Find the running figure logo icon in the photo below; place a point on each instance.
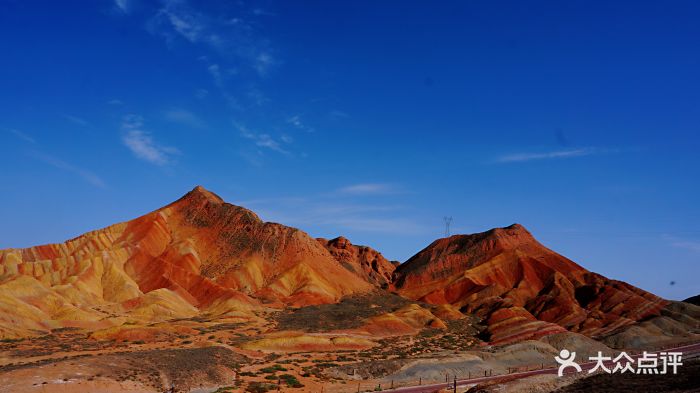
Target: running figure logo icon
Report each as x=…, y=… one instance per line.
x=566, y=360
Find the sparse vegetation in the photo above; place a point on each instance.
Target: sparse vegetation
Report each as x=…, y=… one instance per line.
x=272, y=369
x=291, y=381
x=349, y=313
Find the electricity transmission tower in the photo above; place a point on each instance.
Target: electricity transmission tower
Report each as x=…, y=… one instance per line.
x=448, y=222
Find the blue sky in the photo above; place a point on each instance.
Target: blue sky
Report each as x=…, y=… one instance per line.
x=374, y=120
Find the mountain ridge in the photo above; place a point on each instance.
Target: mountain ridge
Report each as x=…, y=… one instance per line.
x=200, y=256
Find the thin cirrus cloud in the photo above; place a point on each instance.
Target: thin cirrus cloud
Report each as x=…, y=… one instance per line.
x=201, y=94
x=385, y=225
x=304, y=217
x=557, y=154
x=368, y=189
x=335, y=215
x=338, y=114
x=184, y=117
x=262, y=139
x=262, y=63
x=235, y=38
x=21, y=135
x=122, y=5
x=85, y=174
x=295, y=121
x=237, y=51
x=76, y=120
x=142, y=144
x=684, y=244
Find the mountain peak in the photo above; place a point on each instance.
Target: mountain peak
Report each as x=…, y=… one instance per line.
x=509, y=237
x=198, y=196
x=516, y=227
x=201, y=192
x=513, y=234
x=473, y=249
x=340, y=242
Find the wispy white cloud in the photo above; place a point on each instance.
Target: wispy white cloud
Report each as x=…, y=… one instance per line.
x=85, y=174
x=385, y=225
x=235, y=38
x=77, y=120
x=557, y=154
x=368, y=189
x=115, y=102
x=262, y=11
x=691, y=245
x=218, y=77
x=176, y=18
x=237, y=49
x=263, y=62
x=186, y=22
x=252, y=157
x=142, y=144
x=261, y=139
x=334, y=214
x=201, y=93
x=122, y=5
x=296, y=122
x=215, y=72
x=184, y=117
x=256, y=96
x=337, y=114
x=21, y=135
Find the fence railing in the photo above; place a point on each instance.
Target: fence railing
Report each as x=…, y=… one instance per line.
x=460, y=376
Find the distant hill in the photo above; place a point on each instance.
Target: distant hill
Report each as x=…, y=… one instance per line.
x=693, y=300
x=521, y=288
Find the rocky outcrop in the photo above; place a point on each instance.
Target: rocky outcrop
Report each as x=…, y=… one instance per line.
x=365, y=262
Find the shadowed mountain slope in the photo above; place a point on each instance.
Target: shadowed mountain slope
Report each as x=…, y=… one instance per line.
x=693, y=300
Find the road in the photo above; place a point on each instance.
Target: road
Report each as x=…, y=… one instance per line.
x=686, y=350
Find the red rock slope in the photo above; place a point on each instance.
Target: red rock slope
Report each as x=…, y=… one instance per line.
x=198, y=255
x=521, y=288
